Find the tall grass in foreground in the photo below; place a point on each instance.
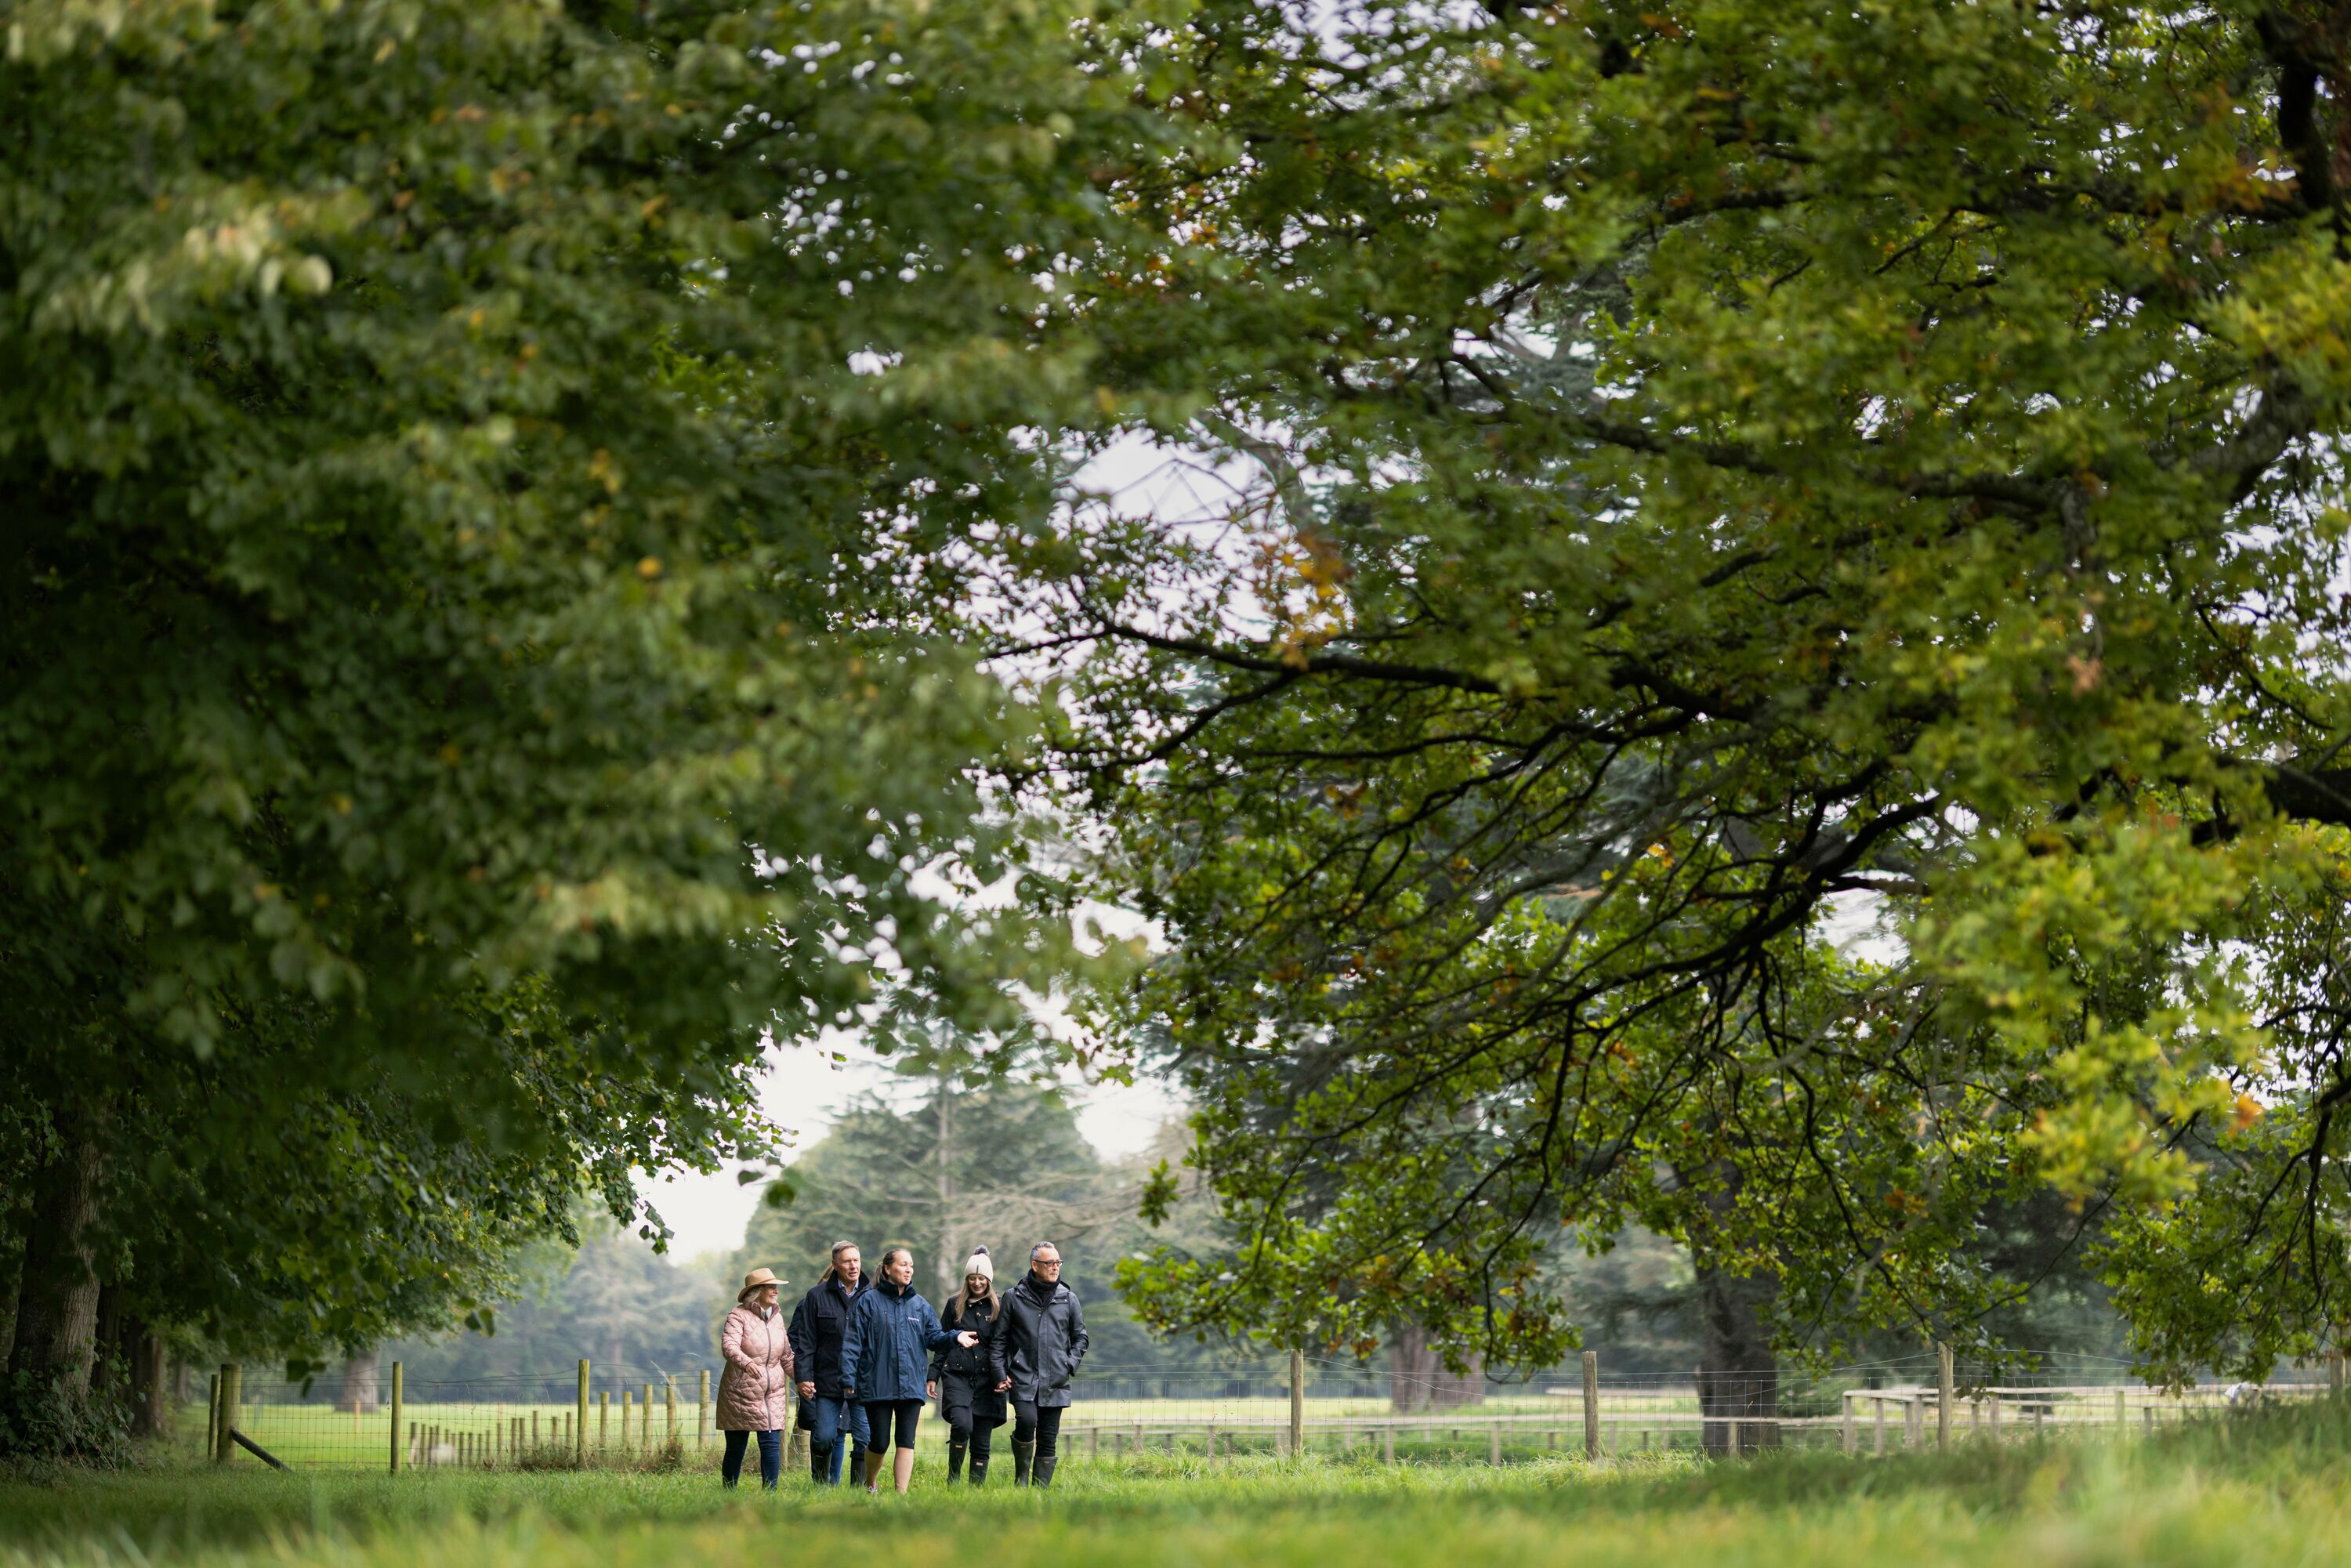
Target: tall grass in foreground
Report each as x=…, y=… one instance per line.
x=2266, y=1488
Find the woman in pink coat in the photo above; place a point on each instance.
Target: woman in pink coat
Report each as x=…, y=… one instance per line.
x=752, y=1391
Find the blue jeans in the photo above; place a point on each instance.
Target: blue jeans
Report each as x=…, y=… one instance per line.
x=771, y=1457
x=831, y=1416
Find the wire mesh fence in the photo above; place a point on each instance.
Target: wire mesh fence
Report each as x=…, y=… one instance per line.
x=642, y=1418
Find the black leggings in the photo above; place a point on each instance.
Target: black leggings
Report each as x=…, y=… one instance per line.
x=879, y=1417
x=1041, y=1423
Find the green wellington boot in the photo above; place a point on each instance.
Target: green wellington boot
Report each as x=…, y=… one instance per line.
x=1022, y=1453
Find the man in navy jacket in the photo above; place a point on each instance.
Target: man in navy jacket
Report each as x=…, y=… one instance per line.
x=818, y=1323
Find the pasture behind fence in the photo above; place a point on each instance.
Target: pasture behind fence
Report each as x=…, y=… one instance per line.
x=625, y=1418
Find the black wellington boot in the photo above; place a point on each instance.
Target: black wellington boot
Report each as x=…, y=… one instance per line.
x=956, y=1448
x=1044, y=1472
x=978, y=1468
x=1022, y=1453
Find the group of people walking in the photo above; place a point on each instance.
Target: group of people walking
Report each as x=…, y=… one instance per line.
x=865, y=1354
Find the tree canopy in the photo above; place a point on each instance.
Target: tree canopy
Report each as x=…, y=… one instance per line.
x=1726, y=469
x=541, y=539
x=480, y=641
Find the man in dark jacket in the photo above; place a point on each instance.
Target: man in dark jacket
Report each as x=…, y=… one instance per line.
x=1043, y=1341
x=818, y=1323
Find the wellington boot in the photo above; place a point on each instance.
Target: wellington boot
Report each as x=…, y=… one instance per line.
x=956, y=1448
x=978, y=1468
x=1021, y=1454
x=1044, y=1472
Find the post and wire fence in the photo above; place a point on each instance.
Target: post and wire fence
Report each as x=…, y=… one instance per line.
x=621, y=1417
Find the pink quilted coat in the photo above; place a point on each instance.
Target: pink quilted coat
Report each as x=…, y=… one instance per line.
x=752, y=1390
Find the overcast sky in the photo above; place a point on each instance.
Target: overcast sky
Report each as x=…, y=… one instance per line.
x=804, y=1090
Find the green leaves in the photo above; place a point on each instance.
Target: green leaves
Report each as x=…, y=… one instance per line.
x=1775, y=475
x=484, y=652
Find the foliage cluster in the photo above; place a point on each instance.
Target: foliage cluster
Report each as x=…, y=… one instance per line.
x=479, y=633
x=1725, y=475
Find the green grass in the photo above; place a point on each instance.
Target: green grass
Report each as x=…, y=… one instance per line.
x=2268, y=1488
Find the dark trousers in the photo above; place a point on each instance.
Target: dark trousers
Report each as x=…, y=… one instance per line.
x=882, y=1414
x=1038, y=1423
x=975, y=1434
x=967, y=1428
x=771, y=1457
x=830, y=1416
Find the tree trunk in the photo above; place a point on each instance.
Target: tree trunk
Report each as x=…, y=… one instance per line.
x=150, y=1402
x=109, y=1359
x=56, y=1305
x=1418, y=1377
x=359, y=1375
x=1738, y=1375
x=12, y=1274
x=950, y=1266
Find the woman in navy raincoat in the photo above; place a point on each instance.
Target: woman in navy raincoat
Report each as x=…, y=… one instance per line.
x=885, y=1353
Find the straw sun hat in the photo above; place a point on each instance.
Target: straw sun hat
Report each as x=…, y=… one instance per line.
x=754, y=1281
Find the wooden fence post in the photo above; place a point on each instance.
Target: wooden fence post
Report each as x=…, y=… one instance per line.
x=669, y=1395
x=1297, y=1404
x=1592, y=1406
x=645, y=1421
x=2122, y=1413
x=580, y=1437
x=604, y=1420
x=398, y=1397
x=702, y=1409
x=212, y=1418
x=1943, y=1397
x=1852, y=1438
x=231, y=1377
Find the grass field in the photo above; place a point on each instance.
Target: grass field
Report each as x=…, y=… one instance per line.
x=2271, y=1487
x=311, y=1437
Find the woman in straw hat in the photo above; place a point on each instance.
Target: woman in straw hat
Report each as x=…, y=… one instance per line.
x=754, y=1390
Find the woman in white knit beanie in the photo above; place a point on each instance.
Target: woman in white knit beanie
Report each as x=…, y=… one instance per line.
x=969, y=1402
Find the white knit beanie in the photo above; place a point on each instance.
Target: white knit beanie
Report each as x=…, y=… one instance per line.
x=978, y=1264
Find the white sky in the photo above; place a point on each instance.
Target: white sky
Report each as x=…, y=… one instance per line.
x=806, y=1091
